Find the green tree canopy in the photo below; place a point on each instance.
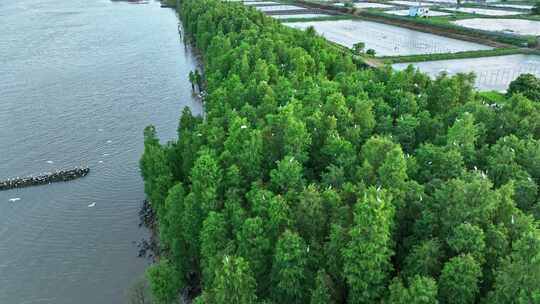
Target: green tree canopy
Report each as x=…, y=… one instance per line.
x=526, y=84
x=319, y=180
x=459, y=281
x=234, y=282
x=367, y=255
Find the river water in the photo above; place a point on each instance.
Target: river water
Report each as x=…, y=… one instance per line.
x=79, y=80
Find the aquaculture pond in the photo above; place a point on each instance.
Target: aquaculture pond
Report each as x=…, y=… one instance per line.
x=387, y=40
x=300, y=16
x=510, y=26
x=518, y=6
x=410, y=3
x=279, y=8
x=371, y=5
x=80, y=81
x=492, y=73
x=256, y=3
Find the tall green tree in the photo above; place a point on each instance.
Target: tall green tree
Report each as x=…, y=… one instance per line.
x=164, y=282
x=322, y=294
x=254, y=247
x=467, y=238
x=171, y=227
x=459, y=281
x=526, y=84
x=205, y=180
x=518, y=278
x=367, y=255
x=425, y=259
x=234, y=283
x=289, y=275
x=243, y=148
x=310, y=215
x=462, y=136
x=155, y=170
x=421, y=290
x=214, y=242
x=288, y=176
x=383, y=163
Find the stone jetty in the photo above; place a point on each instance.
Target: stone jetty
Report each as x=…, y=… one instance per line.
x=45, y=178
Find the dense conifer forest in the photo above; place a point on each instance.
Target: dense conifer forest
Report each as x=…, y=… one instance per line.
x=311, y=179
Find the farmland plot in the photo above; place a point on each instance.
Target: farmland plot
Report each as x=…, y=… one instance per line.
x=511, y=26
x=387, y=40
x=492, y=73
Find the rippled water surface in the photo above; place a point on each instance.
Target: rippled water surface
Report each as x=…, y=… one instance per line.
x=79, y=82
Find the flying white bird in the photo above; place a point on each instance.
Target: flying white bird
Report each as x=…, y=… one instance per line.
x=15, y=199
x=92, y=205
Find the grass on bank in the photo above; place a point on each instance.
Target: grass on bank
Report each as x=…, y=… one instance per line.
x=446, y=56
x=328, y=18
x=492, y=97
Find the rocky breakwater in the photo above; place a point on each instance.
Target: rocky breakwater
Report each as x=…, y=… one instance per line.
x=45, y=178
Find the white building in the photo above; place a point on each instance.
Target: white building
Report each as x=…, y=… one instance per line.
x=418, y=11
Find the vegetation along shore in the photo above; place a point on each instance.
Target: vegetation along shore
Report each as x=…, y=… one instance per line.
x=312, y=179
